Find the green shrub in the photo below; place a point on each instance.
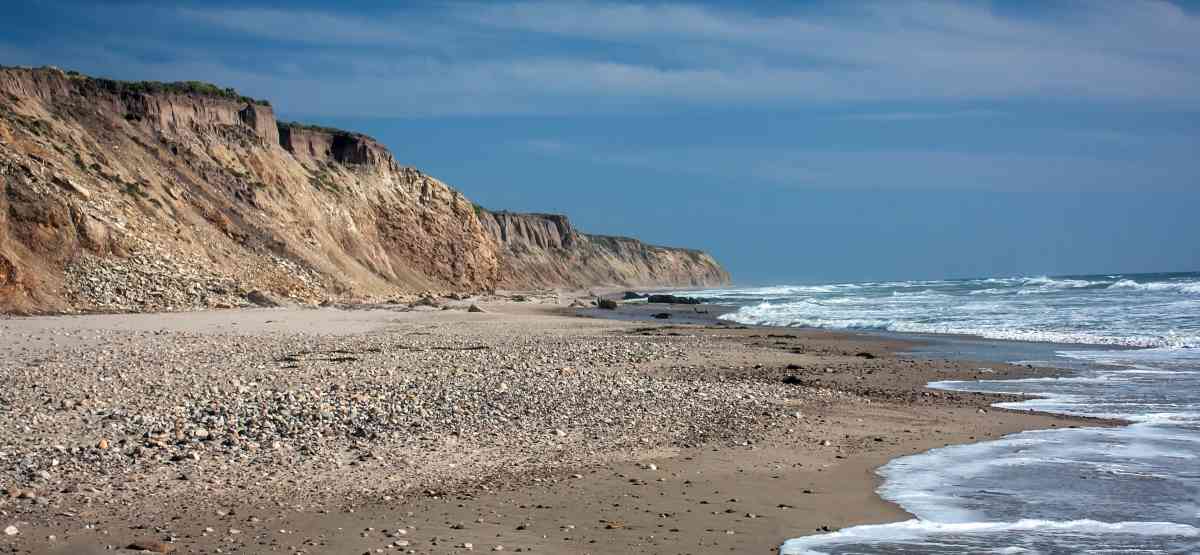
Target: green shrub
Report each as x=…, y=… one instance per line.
x=176, y=87
x=319, y=129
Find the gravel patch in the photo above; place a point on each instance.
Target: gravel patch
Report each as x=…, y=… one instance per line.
x=101, y=415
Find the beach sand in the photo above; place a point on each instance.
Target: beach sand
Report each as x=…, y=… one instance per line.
x=525, y=428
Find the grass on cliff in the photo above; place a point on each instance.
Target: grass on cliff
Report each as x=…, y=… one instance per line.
x=320, y=129
x=174, y=87
x=147, y=87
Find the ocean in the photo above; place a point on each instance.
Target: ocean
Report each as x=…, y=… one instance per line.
x=1132, y=344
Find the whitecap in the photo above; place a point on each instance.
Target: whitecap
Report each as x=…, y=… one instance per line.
x=1186, y=287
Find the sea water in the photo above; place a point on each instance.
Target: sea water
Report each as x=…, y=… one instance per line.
x=1133, y=344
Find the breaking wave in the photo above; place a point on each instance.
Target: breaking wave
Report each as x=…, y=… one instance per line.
x=1130, y=489
x=1129, y=311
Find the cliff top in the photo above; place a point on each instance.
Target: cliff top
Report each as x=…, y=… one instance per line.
x=324, y=129
x=199, y=88
x=594, y=236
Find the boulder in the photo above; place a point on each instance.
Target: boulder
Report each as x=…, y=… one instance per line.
x=262, y=298
x=475, y=308
x=672, y=299
x=607, y=304
x=427, y=301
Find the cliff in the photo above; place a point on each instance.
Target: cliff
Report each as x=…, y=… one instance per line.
x=149, y=196
x=545, y=250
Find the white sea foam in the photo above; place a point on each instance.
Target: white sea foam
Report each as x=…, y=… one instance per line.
x=915, y=529
x=1052, y=283
x=794, y=315
x=971, y=498
x=1098, y=379
x=1188, y=287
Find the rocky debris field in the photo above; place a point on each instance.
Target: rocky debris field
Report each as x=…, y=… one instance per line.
x=146, y=284
x=152, y=281
x=148, y=281
x=104, y=417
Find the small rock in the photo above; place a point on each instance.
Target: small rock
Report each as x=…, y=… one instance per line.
x=11, y=531
x=151, y=546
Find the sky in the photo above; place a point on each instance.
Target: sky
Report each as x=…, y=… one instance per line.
x=795, y=141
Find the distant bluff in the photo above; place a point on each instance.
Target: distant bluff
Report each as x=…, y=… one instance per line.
x=138, y=196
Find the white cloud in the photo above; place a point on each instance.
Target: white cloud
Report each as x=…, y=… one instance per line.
x=589, y=57
x=1106, y=49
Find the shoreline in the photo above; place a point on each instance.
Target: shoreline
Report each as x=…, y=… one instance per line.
x=855, y=413
x=709, y=314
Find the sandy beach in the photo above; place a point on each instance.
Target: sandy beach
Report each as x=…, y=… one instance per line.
x=393, y=429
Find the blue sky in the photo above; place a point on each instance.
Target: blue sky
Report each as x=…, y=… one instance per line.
x=796, y=141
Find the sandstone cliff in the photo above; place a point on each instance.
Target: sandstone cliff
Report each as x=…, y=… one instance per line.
x=544, y=250
x=147, y=196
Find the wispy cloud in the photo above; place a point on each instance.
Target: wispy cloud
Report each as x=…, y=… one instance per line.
x=920, y=116
x=784, y=167
x=545, y=146
x=585, y=57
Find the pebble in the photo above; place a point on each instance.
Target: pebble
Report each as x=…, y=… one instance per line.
x=305, y=416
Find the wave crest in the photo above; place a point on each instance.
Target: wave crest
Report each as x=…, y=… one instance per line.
x=1186, y=287
x=792, y=315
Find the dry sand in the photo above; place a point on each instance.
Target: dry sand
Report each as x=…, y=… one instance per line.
x=522, y=429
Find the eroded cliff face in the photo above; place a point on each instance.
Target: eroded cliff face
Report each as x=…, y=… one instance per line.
x=544, y=250
x=126, y=196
